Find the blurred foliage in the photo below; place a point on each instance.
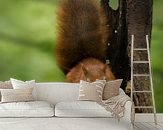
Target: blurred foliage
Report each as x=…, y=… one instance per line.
x=157, y=53
x=27, y=39
x=27, y=42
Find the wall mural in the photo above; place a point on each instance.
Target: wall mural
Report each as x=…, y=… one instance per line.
x=33, y=44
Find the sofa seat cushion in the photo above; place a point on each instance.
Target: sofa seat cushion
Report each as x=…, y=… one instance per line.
x=26, y=109
x=80, y=109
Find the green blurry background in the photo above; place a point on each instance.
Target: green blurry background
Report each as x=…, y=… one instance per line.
x=27, y=42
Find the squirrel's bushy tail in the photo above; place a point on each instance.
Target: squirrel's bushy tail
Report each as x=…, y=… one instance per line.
x=82, y=32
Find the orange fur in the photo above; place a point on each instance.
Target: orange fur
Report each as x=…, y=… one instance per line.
x=90, y=69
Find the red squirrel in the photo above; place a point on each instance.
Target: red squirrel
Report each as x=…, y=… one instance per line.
x=81, y=41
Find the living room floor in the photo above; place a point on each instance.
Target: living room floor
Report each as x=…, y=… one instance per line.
x=146, y=122
x=148, y=126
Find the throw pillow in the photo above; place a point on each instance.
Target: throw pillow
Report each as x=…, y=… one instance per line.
x=111, y=89
x=18, y=84
x=91, y=91
x=5, y=85
x=16, y=95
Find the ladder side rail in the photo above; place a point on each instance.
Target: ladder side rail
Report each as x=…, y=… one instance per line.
x=132, y=63
x=151, y=79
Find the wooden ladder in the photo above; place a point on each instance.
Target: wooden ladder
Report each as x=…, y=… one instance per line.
x=139, y=75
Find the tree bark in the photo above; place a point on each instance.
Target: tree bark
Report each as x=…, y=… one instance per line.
x=133, y=17
x=139, y=21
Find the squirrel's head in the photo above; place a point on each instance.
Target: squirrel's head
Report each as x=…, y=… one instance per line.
x=96, y=73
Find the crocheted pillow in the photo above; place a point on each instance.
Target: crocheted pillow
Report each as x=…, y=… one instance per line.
x=5, y=85
x=17, y=95
x=91, y=91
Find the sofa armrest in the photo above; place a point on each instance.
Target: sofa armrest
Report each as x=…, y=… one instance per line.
x=126, y=119
x=128, y=107
x=128, y=111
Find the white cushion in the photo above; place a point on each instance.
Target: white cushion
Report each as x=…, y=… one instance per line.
x=18, y=84
x=80, y=109
x=26, y=109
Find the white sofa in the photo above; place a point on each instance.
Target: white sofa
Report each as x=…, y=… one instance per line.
x=65, y=92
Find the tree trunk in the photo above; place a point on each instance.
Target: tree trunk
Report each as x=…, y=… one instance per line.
x=133, y=17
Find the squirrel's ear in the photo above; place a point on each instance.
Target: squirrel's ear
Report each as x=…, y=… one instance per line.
x=108, y=72
x=84, y=69
x=105, y=67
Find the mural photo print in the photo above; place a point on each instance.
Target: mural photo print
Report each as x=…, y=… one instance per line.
x=51, y=41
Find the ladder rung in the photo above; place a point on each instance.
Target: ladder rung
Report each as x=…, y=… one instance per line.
x=140, y=49
x=143, y=62
x=142, y=91
x=143, y=107
x=137, y=75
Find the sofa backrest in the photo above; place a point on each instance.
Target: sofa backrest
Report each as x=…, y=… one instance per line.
x=56, y=92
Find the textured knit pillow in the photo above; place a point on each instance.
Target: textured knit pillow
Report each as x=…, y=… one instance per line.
x=18, y=84
x=91, y=91
x=16, y=95
x=5, y=85
x=111, y=89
